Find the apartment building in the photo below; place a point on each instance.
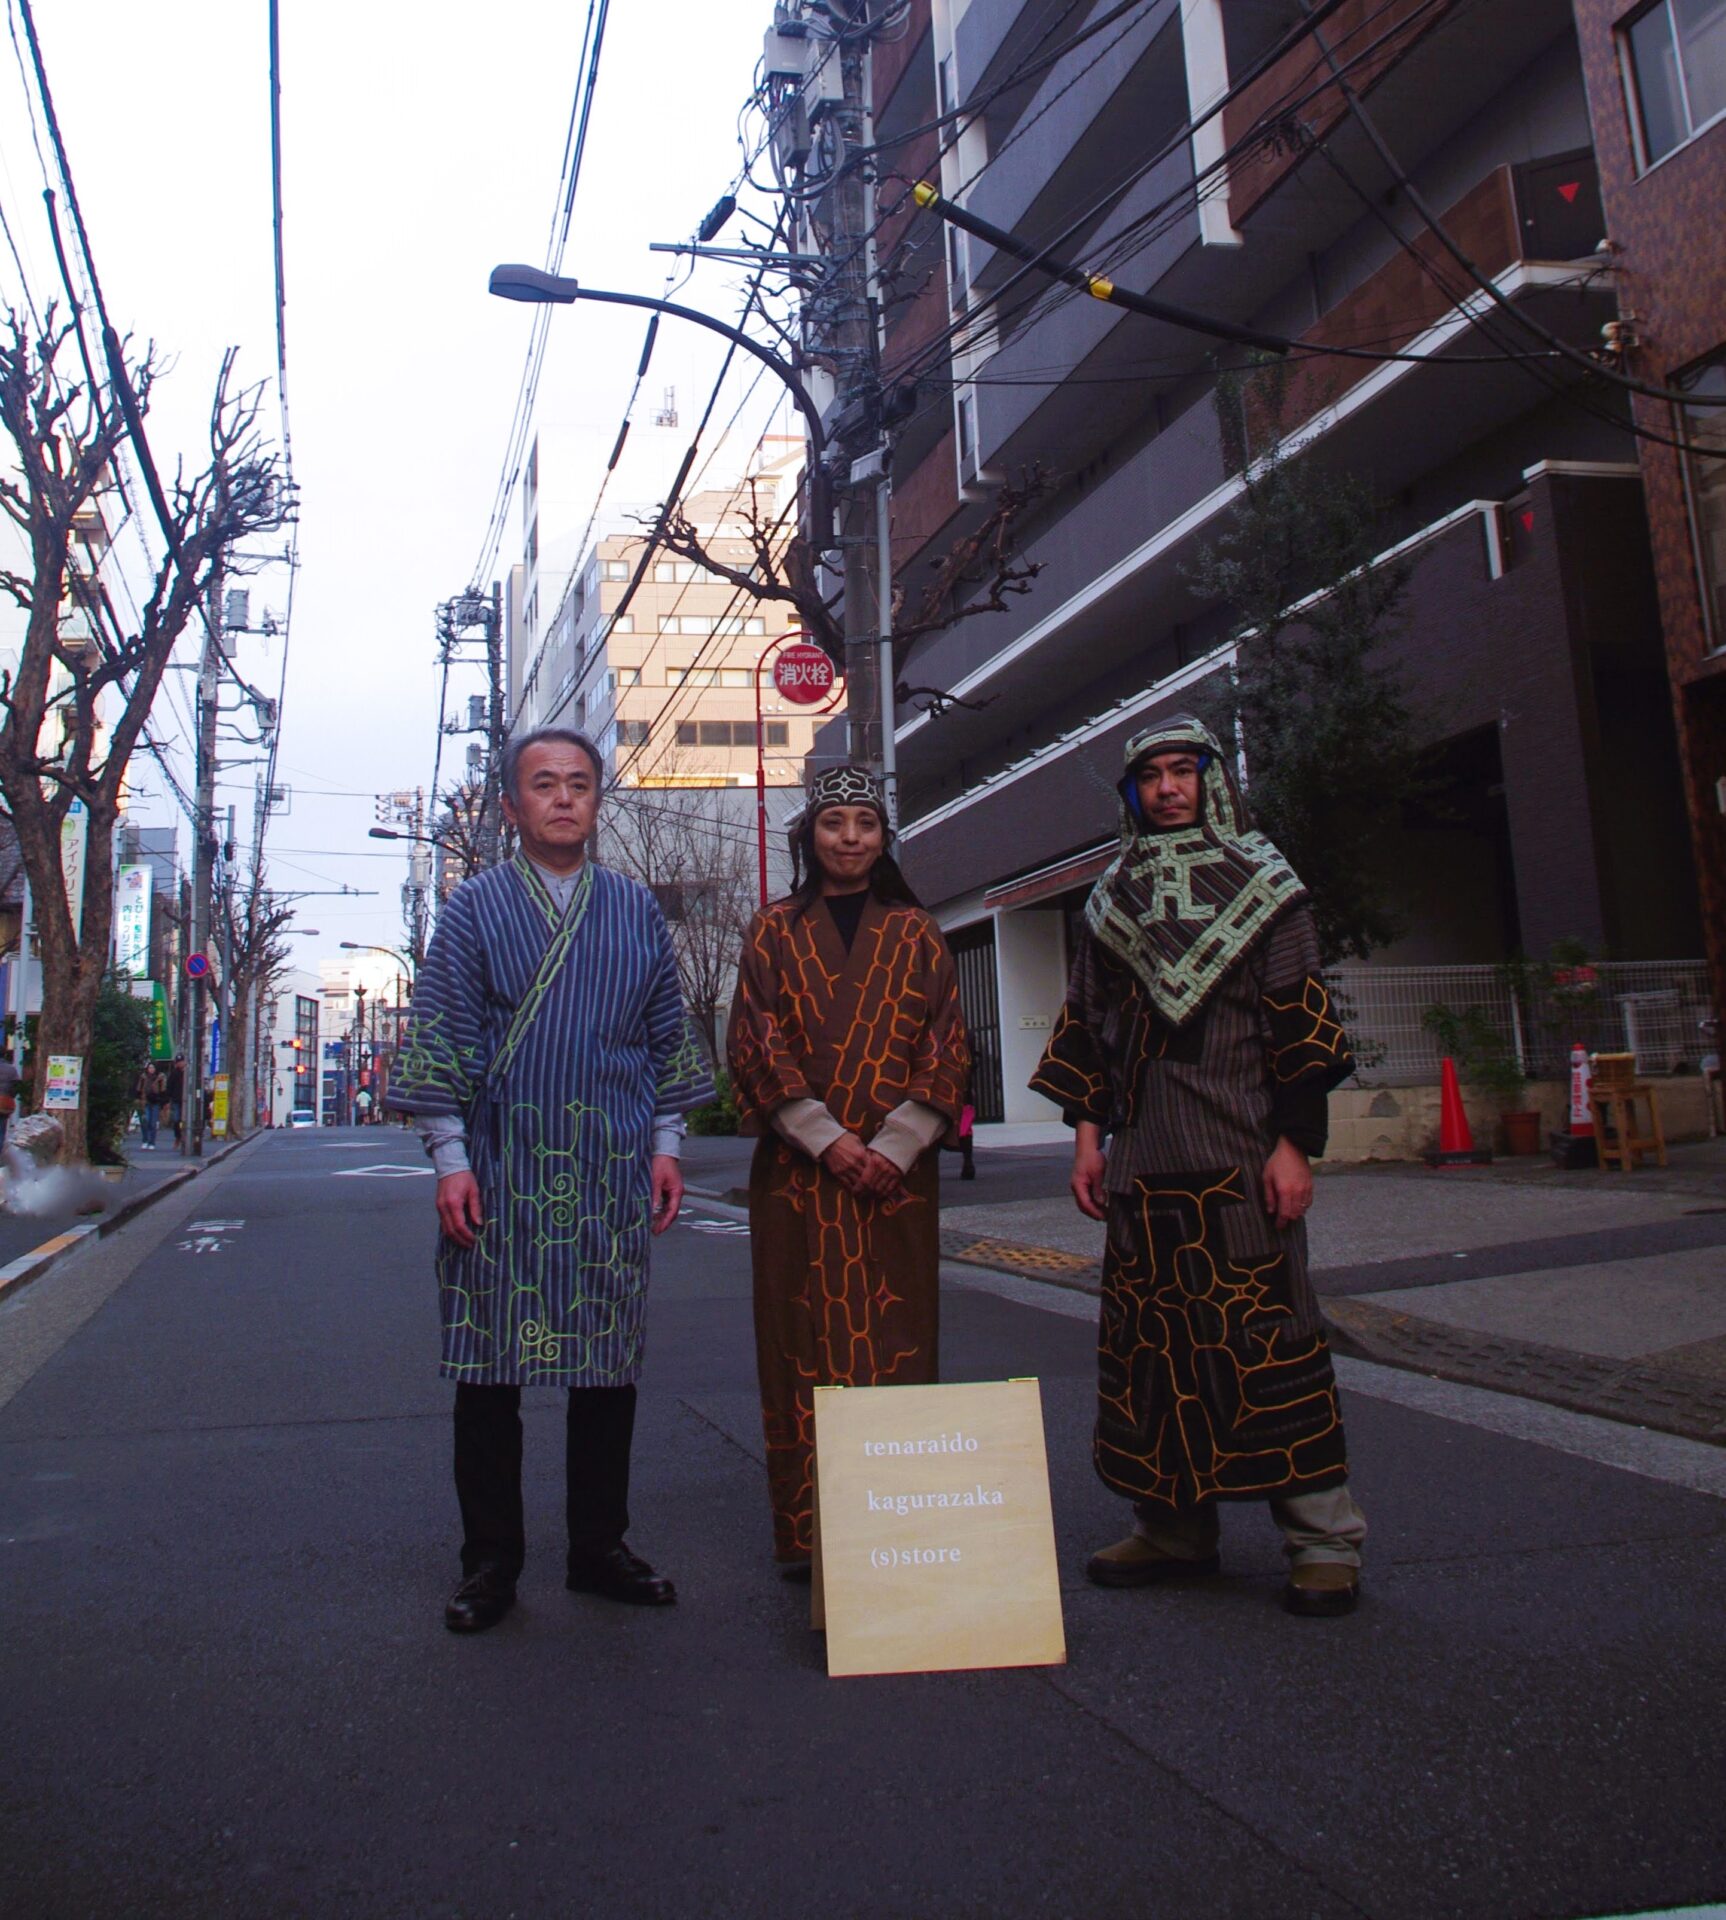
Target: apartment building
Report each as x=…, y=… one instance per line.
x=1656, y=76
x=666, y=685
x=1534, y=656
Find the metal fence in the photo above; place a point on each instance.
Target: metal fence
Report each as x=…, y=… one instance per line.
x=1651, y=1008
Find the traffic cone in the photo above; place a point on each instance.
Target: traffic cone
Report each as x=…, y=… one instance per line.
x=1456, y=1146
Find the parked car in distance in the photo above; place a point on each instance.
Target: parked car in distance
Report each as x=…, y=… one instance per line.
x=302, y=1117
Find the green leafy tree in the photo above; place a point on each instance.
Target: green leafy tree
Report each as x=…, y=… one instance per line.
x=119, y=1046
x=1315, y=713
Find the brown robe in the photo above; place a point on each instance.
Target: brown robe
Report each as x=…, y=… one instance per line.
x=845, y=1287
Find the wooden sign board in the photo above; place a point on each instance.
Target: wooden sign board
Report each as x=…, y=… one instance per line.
x=934, y=1541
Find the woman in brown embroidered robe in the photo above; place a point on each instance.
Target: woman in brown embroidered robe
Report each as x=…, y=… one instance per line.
x=1198, y=1037
x=848, y=1058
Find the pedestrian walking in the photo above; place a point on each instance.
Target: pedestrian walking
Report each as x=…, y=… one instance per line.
x=362, y=1108
x=1198, y=1036
x=549, y=1061
x=848, y=1058
x=152, y=1087
x=174, y=1097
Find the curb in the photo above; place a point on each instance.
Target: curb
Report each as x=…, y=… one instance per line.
x=40, y=1260
x=1638, y=1393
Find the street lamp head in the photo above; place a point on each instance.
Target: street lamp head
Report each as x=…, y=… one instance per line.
x=384, y=833
x=533, y=284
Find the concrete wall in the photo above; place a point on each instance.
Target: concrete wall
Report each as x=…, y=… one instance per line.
x=1401, y=1123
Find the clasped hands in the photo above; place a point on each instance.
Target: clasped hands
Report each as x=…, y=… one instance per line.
x=867, y=1173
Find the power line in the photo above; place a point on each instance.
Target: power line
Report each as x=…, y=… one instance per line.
x=575, y=146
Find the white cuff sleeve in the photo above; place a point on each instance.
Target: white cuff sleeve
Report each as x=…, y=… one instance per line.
x=907, y=1133
x=445, y=1138
x=807, y=1125
x=668, y=1132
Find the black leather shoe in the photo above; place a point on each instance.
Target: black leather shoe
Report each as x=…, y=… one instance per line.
x=481, y=1600
x=618, y=1574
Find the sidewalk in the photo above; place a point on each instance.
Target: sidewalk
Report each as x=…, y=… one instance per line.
x=1603, y=1292
x=31, y=1243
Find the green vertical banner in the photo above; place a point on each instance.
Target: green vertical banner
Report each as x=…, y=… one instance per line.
x=161, y=1028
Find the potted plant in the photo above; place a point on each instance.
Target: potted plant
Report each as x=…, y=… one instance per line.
x=1486, y=1058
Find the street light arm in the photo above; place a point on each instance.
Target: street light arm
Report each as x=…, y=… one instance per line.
x=533, y=284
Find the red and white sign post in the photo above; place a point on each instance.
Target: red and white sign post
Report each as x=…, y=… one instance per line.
x=805, y=676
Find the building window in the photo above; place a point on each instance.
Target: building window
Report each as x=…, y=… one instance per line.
x=622, y=623
x=778, y=733
x=629, y=676
x=694, y=623
x=967, y=416
x=755, y=626
x=735, y=676
x=1675, y=67
x=692, y=676
x=633, y=733
x=1705, y=429
x=617, y=569
x=729, y=733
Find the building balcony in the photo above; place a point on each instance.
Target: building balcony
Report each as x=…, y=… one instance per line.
x=1063, y=152
x=1116, y=560
x=1547, y=210
x=1421, y=67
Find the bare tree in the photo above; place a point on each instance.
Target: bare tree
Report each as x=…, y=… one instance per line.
x=254, y=922
x=981, y=572
x=459, y=831
x=699, y=861
x=76, y=706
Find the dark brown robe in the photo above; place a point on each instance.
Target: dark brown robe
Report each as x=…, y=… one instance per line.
x=845, y=1287
x=1214, y=1376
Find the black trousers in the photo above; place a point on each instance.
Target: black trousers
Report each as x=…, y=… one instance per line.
x=598, y=1432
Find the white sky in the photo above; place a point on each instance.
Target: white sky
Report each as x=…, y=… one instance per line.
x=421, y=147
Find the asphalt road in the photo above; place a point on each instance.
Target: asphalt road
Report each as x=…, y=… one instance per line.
x=226, y=1532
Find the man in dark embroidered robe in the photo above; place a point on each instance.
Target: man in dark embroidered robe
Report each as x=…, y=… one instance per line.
x=1198, y=1038
x=549, y=1061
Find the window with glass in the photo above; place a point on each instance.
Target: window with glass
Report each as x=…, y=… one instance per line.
x=1675, y=72
x=617, y=569
x=633, y=733
x=690, y=676
x=623, y=623
x=1704, y=429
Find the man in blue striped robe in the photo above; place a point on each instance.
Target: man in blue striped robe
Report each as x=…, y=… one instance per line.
x=550, y=1061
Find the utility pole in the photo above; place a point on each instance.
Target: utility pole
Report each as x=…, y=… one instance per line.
x=457, y=620
x=203, y=863
x=497, y=729
x=853, y=350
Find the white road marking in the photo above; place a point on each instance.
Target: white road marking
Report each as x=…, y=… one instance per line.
x=715, y=1226
x=207, y=1236
x=384, y=1170
x=1610, y=1443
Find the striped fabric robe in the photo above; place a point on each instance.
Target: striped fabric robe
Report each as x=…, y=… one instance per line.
x=557, y=1037
x=1214, y=1375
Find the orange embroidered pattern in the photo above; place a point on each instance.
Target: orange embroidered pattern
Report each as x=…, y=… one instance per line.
x=1204, y=1391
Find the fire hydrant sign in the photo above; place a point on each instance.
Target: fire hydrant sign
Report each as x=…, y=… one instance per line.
x=935, y=1543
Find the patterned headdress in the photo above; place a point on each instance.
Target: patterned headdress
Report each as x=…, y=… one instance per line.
x=845, y=787
x=1182, y=906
